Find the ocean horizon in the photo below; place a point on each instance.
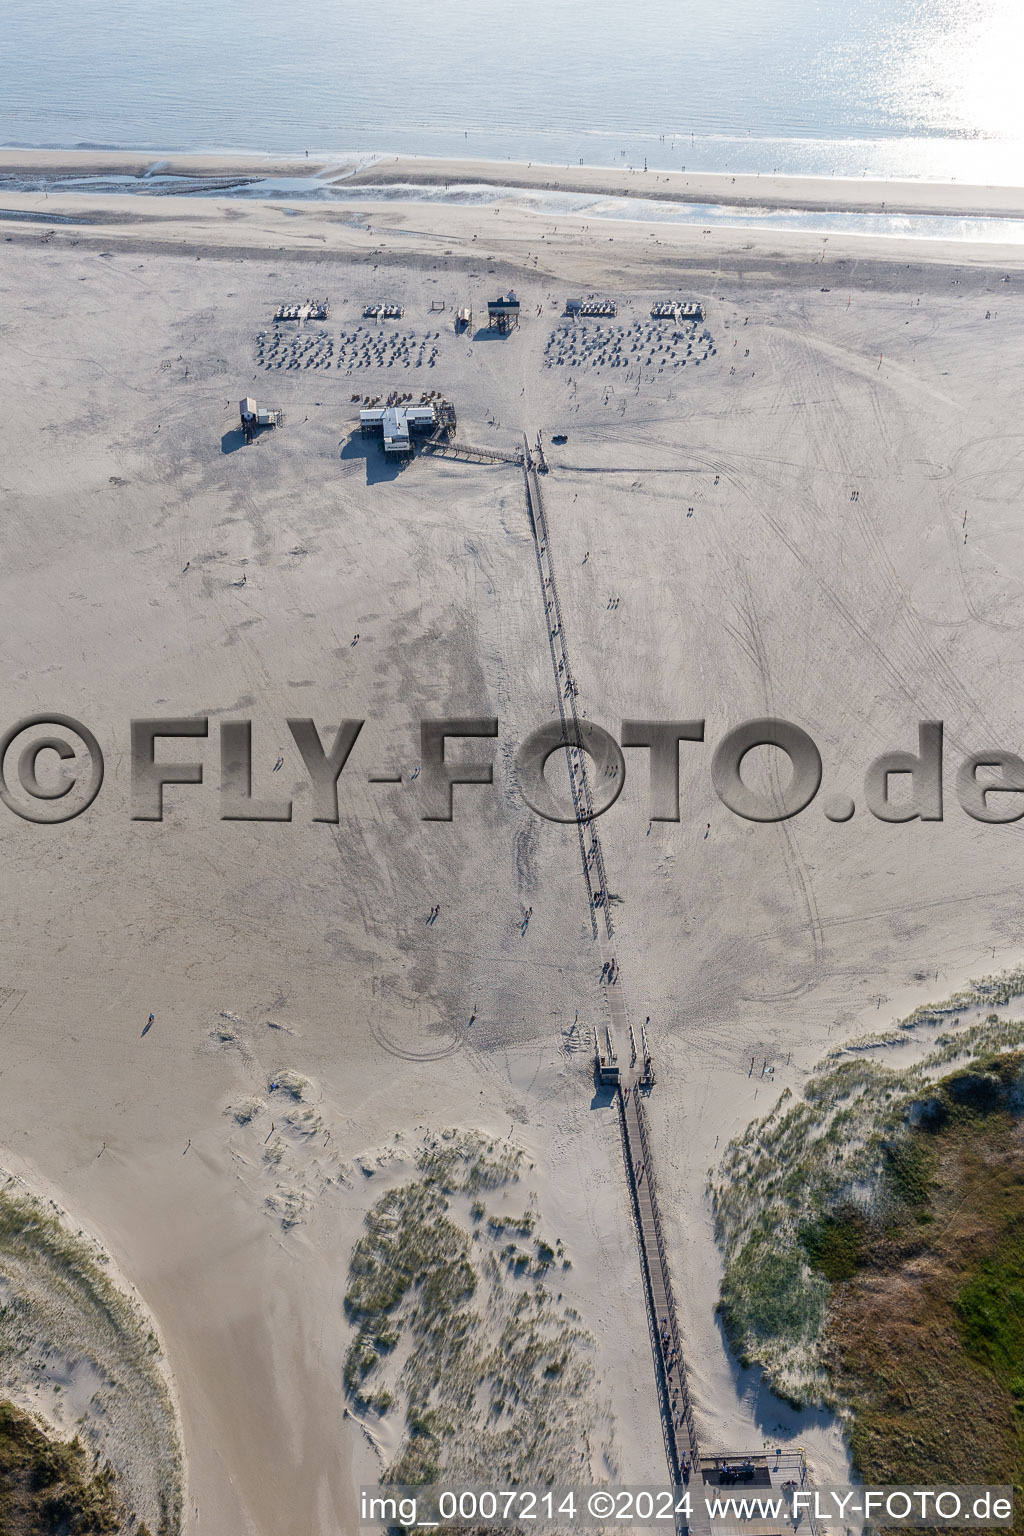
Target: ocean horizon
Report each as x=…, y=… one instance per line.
x=897, y=89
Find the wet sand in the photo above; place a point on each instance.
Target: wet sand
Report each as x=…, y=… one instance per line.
x=805, y=193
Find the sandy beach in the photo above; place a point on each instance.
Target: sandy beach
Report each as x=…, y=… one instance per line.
x=824, y=193
x=807, y=193
x=109, y=162
x=821, y=521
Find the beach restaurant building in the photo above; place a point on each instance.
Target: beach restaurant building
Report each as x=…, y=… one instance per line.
x=397, y=423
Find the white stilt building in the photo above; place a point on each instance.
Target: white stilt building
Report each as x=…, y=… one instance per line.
x=397, y=424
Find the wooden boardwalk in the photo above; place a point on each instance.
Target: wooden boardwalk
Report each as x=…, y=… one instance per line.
x=682, y=1451
x=591, y=854
x=468, y=453
x=678, y=1429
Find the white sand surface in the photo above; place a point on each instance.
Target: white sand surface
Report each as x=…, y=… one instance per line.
x=128, y=338
x=827, y=193
x=98, y=162
x=824, y=193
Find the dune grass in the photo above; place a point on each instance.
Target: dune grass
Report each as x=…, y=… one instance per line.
x=873, y=1232
x=926, y=1339
x=50, y=1486
x=792, y=1195
x=59, y=1298
x=458, y=1328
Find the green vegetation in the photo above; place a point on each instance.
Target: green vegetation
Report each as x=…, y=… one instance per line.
x=930, y=1326
x=767, y=1294
x=291, y=1083
x=409, y=1241
x=57, y=1287
x=49, y=1487
x=874, y=1241
x=455, y=1326
x=467, y=1162
x=843, y=1153
x=835, y=1245
x=990, y=1313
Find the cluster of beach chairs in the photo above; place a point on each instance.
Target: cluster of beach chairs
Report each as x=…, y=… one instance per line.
x=306, y=349
x=634, y=346
x=365, y=347
x=383, y=311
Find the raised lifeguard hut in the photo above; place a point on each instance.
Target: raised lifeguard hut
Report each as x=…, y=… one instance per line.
x=253, y=416
x=503, y=313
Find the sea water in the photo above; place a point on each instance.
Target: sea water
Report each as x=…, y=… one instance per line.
x=851, y=87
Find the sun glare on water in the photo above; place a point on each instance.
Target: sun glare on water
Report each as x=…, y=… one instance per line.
x=955, y=66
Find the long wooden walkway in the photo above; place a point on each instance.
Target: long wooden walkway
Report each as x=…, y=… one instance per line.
x=455, y=448
x=591, y=854
x=678, y=1429
x=677, y=1423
